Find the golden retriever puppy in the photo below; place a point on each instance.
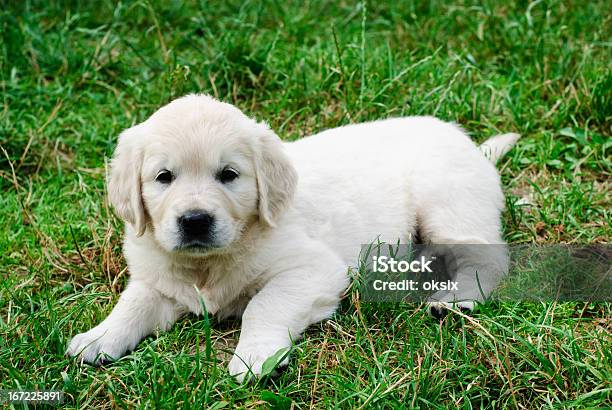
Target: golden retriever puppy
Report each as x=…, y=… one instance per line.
x=219, y=211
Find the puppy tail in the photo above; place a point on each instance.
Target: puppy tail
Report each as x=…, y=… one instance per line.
x=496, y=147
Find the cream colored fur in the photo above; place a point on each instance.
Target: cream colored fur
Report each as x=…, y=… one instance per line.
x=286, y=230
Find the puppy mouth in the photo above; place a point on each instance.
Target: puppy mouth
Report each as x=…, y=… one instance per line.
x=196, y=246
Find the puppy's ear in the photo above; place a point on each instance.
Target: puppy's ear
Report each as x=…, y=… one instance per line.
x=276, y=176
x=124, y=185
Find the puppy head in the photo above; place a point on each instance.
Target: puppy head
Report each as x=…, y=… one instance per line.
x=197, y=173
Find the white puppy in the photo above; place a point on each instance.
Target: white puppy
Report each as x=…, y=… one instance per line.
x=216, y=211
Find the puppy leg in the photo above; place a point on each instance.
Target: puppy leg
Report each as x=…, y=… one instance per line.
x=471, y=241
x=139, y=311
x=282, y=310
x=478, y=269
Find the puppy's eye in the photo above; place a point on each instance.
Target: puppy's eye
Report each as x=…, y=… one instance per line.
x=164, y=177
x=228, y=174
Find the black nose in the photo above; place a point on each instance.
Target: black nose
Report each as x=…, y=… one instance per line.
x=196, y=226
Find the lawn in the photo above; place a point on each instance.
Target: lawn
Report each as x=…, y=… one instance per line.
x=74, y=74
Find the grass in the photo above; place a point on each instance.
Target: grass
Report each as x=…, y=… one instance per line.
x=74, y=74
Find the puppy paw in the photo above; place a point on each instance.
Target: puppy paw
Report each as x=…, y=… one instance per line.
x=247, y=362
x=98, y=345
x=439, y=310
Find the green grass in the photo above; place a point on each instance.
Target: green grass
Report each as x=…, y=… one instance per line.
x=74, y=74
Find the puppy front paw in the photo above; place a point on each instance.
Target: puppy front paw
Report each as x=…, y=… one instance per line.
x=98, y=345
x=248, y=361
